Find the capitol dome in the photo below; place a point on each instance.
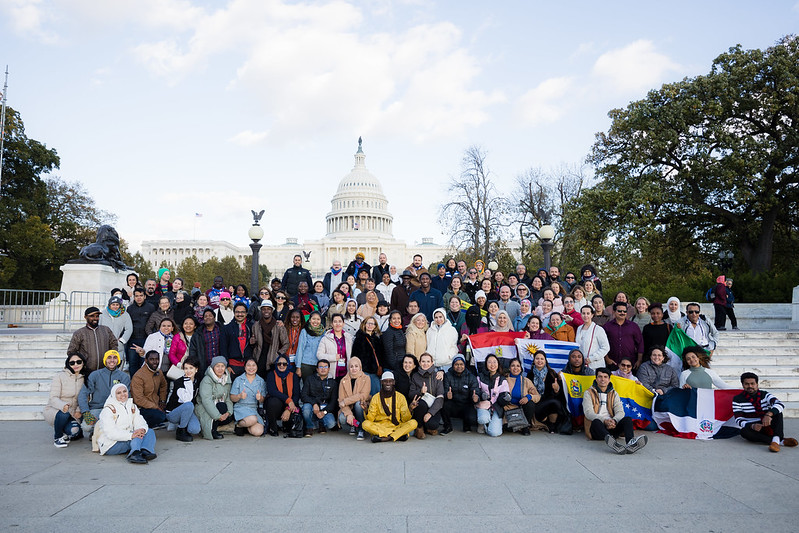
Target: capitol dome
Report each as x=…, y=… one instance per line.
x=359, y=206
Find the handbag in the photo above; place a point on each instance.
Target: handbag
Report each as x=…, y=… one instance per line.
x=515, y=419
x=295, y=427
x=174, y=372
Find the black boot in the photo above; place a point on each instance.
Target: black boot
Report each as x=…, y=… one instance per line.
x=182, y=434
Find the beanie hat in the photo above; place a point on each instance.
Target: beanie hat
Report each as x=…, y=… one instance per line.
x=218, y=359
x=161, y=272
x=110, y=353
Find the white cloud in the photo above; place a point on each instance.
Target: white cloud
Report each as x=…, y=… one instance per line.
x=634, y=67
x=28, y=18
x=547, y=102
x=248, y=137
x=315, y=66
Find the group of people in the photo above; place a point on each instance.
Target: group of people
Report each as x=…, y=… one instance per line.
x=368, y=350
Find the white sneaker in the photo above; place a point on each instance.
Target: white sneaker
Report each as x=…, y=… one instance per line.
x=614, y=445
x=637, y=443
x=60, y=442
x=360, y=435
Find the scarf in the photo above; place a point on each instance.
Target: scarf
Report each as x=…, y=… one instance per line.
x=625, y=375
x=335, y=272
x=516, y=393
x=314, y=331
x=167, y=342
x=266, y=328
x=116, y=313
x=393, y=411
x=673, y=316
x=222, y=380
x=395, y=278
x=539, y=379
x=294, y=339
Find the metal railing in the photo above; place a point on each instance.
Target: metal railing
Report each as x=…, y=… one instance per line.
x=30, y=308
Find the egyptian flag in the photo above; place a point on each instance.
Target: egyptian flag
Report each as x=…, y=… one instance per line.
x=501, y=344
x=696, y=413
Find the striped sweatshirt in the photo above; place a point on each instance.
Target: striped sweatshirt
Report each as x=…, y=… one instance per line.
x=745, y=412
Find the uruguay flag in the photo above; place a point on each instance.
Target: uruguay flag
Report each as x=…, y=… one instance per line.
x=635, y=398
x=696, y=413
x=557, y=352
x=499, y=343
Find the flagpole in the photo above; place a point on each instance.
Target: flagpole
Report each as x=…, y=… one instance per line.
x=3, y=126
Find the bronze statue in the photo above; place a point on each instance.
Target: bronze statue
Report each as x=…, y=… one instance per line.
x=105, y=251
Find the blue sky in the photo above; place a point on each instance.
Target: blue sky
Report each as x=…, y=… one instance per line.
x=164, y=108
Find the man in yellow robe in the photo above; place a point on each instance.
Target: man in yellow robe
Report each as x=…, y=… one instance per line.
x=389, y=417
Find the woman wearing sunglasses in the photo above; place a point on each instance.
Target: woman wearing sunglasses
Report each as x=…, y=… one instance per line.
x=62, y=411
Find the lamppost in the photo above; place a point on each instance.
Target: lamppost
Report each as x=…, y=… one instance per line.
x=256, y=233
x=492, y=261
x=725, y=260
x=546, y=233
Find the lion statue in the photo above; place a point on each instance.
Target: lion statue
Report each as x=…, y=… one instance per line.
x=105, y=251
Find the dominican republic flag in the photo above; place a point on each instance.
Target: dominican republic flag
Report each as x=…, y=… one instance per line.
x=675, y=344
x=500, y=344
x=635, y=398
x=557, y=352
x=696, y=413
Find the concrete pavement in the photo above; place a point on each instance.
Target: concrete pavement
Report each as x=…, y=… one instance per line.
x=458, y=482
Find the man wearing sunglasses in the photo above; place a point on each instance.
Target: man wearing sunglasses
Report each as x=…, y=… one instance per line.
x=624, y=338
x=696, y=326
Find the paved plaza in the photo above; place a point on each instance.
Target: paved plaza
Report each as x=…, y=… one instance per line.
x=461, y=482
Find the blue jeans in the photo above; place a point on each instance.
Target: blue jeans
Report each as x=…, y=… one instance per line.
x=134, y=445
x=311, y=422
x=64, y=424
x=491, y=421
x=153, y=417
x=357, y=410
x=183, y=417
x=375, y=383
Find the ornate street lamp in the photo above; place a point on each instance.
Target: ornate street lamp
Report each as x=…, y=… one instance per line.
x=725, y=260
x=546, y=233
x=256, y=233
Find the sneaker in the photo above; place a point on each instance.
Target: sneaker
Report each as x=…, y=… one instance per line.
x=360, y=435
x=446, y=431
x=637, y=443
x=353, y=431
x=136, y=458
x=481, y=429
x=171, y=427
x=322, y=428
x=403, y=438
x=774, y=447
x=60, y=442
x=614, y=445
x=147, y=454
x=162, y=425
x=789, y=442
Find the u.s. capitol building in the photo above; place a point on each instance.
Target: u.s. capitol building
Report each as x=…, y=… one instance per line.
x=358, y=221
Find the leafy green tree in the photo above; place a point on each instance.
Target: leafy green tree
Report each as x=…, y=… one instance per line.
x=712, y=158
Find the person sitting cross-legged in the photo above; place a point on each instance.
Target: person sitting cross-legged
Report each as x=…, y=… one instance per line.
x=122, y=428
x=605, y=418
x=759, y=414
x=182, y=400
x=388, y=417
x=97, y=387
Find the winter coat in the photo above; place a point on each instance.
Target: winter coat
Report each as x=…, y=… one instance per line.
x=211, y=393
x=394, y=347
x=97, y=387
x=92, y=344
x=121, y=325
x=64, y=390
x=117, y=423
x=415, y=339
x=463, y=386
x=154, y=322
x=155, y=342
x=369, y=349
x=442, y=342
x=148, y=388
x=434, y=386
x=662, y=377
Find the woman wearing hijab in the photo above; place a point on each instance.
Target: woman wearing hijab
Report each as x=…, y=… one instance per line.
x=214, y=408
x=283, y=395
x=525, y=312
x=503, y=322
x=673, y=313
x=493, y=395
x=559, y=329
x=352, y=322
x=354, y=393
x=122, y=429
x=62, y=410
x=589, y=274
x=442, y=340
x=473, y=324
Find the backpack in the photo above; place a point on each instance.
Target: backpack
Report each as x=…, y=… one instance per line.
x=709, y=295
x=293, y=428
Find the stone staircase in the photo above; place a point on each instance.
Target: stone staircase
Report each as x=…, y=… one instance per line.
x=772, y=355
x=29, y=361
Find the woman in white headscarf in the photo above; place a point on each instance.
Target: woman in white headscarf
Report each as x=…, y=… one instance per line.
x=122, y=429
x=673, y=313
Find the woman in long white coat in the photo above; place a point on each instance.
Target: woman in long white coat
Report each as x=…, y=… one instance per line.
x=442, y=340
x=122, y=428
x=592, y=339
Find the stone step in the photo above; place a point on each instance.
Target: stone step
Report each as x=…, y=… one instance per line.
x=29, y=373
x=20, y=412
x=28, y=339
x=58, y=353
x=39, y=345
x=757, y=341
x=763, y=350
x=754, y=360
x=27, y=385
x=736, y=370
x=24, y=398
x=785, y=395
x=9, y=363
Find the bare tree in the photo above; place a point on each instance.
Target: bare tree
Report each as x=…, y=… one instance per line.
x=475, y=215
x=543, y=198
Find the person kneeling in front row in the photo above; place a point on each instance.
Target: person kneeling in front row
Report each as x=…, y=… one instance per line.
x=122, y=428
x=320, y=400
x=759, y=415
x=182, y=399
x=389, y=417
x=215, y=408
x=605, y=419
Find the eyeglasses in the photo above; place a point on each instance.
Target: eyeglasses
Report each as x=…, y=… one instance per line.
x=75, y=362
x=280, y=297
x=264, y=292
x=569, y=277
x=625, y=366
x=692, y=312
x=621, y=311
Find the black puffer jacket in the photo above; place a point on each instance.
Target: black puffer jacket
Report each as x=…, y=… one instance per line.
x=463, y=386
x=394, y=347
